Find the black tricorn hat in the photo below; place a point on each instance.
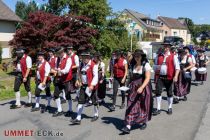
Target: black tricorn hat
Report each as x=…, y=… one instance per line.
x=59, y=49
x=166, y=44
x=20, y=50
x=200, y=50
x=181, y=51
x=186, y=47
x=69, y=47
x=51, y=50
x=40, y=53
x=97, y=54
x=139, y=52
x=85, y=53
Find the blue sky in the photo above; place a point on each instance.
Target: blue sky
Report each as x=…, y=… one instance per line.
x=197, y=10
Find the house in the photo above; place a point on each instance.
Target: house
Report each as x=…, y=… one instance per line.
x=8, y=20
x=175, y=27
x=144, y=27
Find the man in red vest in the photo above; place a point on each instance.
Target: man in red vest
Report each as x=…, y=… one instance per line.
x=120, y=70
x=88, y=80
x=75, y=66
x=168, y=70
x=62, y=81
x=23, y=67
x=52, y=58
x=42, y=81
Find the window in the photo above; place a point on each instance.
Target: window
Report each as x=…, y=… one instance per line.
x=166, y=32
x=175, y=33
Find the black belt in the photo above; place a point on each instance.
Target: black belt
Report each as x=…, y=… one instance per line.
x=163, y=77
x=83, y=72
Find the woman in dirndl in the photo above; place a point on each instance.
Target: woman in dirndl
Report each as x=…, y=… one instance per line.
x=101, y=92
x=183, y=85
x=201, y=63
x=139, y=103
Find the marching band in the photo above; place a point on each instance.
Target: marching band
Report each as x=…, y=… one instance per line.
x=85, y=75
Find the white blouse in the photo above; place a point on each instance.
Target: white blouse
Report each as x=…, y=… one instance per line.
x=147, y=67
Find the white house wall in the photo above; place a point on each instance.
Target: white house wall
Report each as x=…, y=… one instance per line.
x=7, y=30
x=181, y=33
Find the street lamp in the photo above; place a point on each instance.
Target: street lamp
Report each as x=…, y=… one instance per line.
x=131, y=30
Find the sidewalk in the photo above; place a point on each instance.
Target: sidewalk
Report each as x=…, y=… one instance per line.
x=204, y=128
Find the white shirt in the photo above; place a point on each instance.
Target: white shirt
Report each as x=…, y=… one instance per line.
x=176, y=61
x=193, y=59
x=95, y=74
x=68, y=65
x=28, y=63
x=190, y=60
x=147, y=67
x=202, y=58
x=102, y=67
x=125, y=62
x=76, y=60
x=47, y=70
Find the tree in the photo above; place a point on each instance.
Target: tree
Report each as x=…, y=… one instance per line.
x=189, y=23
x=44, y=30
x=22, y=9
x=97, y=10
x=0, y=54
x=53, y=7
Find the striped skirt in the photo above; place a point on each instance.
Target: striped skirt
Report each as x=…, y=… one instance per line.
x=139, y=106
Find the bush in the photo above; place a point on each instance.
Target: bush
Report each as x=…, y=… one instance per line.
x=0, y=54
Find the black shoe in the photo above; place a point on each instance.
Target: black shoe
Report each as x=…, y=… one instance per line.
x=143, y=126
x=45, y=109
x=95, y=118
x=35, y=109
x=28, y=105
x=125, y=130
x=169, y=111
x=76, y=121
x=68, y=114
x=48, y=108
x=56, y=114
x=156, y=112
x=175, y=101
x=185, y=98
x=112, y=108
x=63, y=101
x=122, y=106
x=101, y=103
x=15, y=106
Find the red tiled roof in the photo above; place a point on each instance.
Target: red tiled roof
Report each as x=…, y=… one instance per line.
x=172, y=23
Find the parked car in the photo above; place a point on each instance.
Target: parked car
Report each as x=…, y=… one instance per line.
x=174, y=40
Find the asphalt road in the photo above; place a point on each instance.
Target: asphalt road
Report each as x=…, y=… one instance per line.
x=186, y=123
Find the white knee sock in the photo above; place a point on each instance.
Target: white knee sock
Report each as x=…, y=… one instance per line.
x=96, y=111
x=17, y=95
x=64, y=94
x=29, y=97
x=77, y=92
x=70, y=105
x=128, y=126
x=79, y=111
x=58, y=102
x=170, y=102
x=48, y=101
x=37, y=102
x=159, y=99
